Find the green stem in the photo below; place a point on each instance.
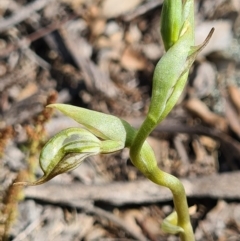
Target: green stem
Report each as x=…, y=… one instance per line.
x=179, y=198
x=146, y=128
x=159, y=177
x=164, y=179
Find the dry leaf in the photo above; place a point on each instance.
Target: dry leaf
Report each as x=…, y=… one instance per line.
x=218, y=220
x=28, y=91
x=97, y=233
x=130, y=217
x=209, y=143
x=234, y=94
x=152, y=51
x=133, y=60
x=115, y=8
x=152, y=225
x=98, y=26
x=198, y=108
x=205, y=81
x=232, y=117
x=74, y=3
x=133, y=35
x=160, y=147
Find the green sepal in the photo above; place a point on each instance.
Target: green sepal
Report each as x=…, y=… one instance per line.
x=107, y=127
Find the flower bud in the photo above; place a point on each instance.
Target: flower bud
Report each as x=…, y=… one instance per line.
x=171, y=22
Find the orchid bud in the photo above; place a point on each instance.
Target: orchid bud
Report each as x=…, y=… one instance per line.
x=171, y=22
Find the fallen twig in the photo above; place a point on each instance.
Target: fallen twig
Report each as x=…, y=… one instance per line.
x=224, y=186
x=23, y=14
x=143, y=9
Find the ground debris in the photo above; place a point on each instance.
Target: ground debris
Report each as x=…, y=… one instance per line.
x=101, y=55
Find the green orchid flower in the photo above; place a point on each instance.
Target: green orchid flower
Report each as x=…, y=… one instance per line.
x=102, y=133
x=66, y=151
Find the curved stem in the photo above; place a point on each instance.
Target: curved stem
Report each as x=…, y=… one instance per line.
x=151, y=171
x=179, y=198
x=167, y=87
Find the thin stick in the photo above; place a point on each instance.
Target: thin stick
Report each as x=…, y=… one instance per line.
x=22, y=14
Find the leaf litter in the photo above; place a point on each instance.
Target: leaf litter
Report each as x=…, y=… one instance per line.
x=100, y=55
